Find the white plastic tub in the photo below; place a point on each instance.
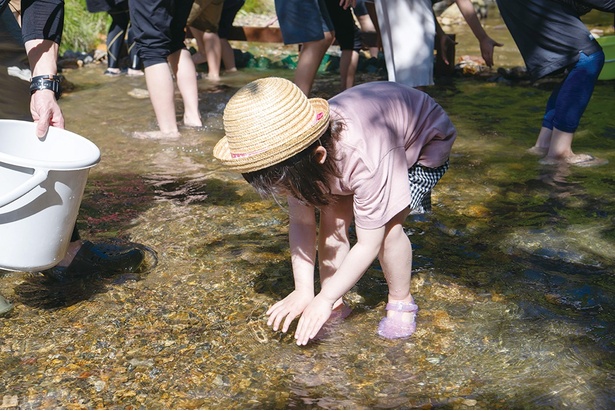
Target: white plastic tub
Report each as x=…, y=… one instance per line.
x=41, y=187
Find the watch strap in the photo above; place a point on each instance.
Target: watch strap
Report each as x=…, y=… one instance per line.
x=46, y=82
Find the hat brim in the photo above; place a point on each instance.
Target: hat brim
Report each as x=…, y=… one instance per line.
x=276, y=154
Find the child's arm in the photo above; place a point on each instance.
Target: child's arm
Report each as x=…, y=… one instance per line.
x=355, y=264
x=487, y=44
x=302, y=238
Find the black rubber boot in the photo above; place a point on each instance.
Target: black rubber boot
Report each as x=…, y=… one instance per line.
x=101, y=259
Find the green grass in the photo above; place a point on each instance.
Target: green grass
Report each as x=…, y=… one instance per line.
x=82, y=29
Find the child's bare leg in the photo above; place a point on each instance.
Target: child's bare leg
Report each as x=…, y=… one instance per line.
x=348, y=68
x=333, y=241
x=228, y=56
x=396, y=260
x=185, y=72
x=367, y=26
x=309, y=60
x=198, y=57
x=161, y=91
x=213, y=51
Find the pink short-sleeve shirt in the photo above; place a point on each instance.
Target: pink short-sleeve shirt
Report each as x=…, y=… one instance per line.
x=388, y=128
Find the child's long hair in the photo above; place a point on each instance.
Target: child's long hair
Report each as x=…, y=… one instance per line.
x=301, y=175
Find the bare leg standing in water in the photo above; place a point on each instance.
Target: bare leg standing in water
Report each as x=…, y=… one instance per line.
x=309, y=60
x=306, y=23
x=552, y=39
x=160, y=44
x=565, y=107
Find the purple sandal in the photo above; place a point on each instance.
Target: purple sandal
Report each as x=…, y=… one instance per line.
x=392, y=327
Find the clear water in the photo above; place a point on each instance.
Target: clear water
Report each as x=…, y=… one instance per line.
x=513, y=273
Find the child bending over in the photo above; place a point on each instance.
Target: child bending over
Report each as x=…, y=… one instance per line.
x=370, y=155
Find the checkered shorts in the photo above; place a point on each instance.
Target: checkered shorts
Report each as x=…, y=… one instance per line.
x=422, y=180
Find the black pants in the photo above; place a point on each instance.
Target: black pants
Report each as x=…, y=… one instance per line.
x=347, y=33
x=120, y=34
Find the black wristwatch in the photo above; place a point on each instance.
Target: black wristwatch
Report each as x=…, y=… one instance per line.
x=46, y=82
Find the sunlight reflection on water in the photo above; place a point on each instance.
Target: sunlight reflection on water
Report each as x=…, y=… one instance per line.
x=513, y=275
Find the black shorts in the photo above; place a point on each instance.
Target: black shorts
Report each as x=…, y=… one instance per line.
x=347, y=33
x=158, y=26
x=229, y=11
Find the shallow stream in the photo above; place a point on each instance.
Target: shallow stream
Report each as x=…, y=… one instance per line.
x=513, y=272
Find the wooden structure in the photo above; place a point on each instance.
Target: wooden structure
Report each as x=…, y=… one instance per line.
x=256, y=34
x=274, y=35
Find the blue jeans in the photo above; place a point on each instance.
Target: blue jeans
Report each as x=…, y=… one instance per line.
x=570, y=98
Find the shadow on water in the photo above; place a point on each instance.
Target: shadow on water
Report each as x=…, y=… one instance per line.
x=513, y=273
x=115, y=201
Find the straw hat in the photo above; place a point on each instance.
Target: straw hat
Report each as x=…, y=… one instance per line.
x=268, y=121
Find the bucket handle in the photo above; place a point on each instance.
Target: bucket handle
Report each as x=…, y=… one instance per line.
x=38, y=177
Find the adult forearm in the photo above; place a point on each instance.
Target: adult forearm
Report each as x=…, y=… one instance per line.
x=42, y=25
x=43, y=57
x=469, y=14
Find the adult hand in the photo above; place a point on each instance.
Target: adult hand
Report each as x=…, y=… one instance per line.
x=43, y=57
x=486, y=49
x=313, y=318
x=288, y=309
x=445, y=42
x=45, y=112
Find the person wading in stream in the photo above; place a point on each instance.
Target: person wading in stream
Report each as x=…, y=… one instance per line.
x=42, y=25
x=307, y=23
x=119, y=36
x=159, y=28
x=370, y=154
x=552, y=39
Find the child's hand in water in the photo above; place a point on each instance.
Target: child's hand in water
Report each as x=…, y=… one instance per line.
x=313, y=318
x=290, y=308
